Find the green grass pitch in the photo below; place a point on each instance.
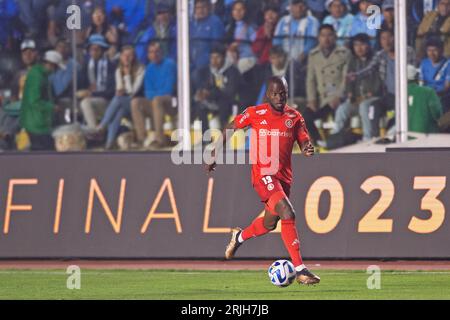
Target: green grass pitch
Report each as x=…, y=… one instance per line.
x=221, y=285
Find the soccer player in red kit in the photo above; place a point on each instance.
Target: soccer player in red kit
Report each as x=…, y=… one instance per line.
x=276, y=127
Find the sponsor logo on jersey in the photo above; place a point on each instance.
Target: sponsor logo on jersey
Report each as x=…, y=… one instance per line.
x=263, y=122
x=289, y=123
x=261, y=112
x=270, y=186
x=274, y=133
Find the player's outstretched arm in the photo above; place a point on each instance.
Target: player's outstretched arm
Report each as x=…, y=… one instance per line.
x=218, y=147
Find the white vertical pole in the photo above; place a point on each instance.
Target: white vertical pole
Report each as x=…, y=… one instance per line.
x=401, y=80
x=291, y=60
x=184, y=118
x=74, y=75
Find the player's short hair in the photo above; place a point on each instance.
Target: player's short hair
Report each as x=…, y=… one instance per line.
x=278, y=51
x=327, y=26
x=435, y=42
x=276, y=79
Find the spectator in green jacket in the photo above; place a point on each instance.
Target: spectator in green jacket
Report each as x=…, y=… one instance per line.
x=10, y=111
x=36, y=114
x=424, y=106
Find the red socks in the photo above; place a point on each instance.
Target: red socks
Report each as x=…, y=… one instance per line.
x=288, y=234
x=291, y=242
x=255, y=229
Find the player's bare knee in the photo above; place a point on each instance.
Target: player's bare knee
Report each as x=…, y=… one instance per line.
x=289, y=214
x=285, y=210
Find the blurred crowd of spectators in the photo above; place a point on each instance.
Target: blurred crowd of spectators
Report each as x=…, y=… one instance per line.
x=338, y=57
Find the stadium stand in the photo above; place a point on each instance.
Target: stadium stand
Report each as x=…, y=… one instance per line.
x=254, y=34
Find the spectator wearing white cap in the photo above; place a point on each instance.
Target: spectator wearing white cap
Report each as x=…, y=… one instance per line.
x=9, y=113
x=340, y=19
x=29, y=55
x=37, y=111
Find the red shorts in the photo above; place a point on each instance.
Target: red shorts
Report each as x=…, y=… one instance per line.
x=271, y=190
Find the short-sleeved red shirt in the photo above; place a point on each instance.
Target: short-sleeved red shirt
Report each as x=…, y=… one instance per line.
x=272, y=132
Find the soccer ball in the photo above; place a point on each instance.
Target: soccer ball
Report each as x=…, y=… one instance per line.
x=281, y=273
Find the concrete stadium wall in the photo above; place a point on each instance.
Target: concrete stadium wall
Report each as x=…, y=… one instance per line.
x=137, y=205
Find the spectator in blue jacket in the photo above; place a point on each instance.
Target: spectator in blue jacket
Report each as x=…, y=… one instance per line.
x=435, y=71
x=159, y=89
x=300, y=26
x=162, y=29
x=340, y=19
x=205, y=29
x=126, y=15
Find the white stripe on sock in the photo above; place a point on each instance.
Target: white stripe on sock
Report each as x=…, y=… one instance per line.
x=300, y=267
x=240, y=240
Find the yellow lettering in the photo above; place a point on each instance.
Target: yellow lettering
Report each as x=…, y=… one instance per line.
x=315, y=223
x=10, y=206
x=58, y=206
x=371, y=222
x=206, y=228
x=430, y=202
x=174, y=215
x=95, y=189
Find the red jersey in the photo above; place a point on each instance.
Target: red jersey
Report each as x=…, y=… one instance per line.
x=272, y=139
